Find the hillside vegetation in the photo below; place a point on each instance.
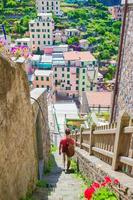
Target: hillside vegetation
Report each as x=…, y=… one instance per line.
x=15, y=15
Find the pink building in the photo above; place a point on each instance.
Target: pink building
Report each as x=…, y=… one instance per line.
x=70, y=69
x=43, y=79
x=116, y=12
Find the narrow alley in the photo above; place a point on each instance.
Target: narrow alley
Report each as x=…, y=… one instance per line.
x=60, y=186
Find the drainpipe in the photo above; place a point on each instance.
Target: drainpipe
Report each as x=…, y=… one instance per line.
x=119, y=60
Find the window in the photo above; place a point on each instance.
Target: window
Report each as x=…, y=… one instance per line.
x=62, y=75
x=37, y=86
x=33, y=36
x=31, y=25
x=38, y=36
x=42, y=86
x=42, y=2
x=68, y=82
x=43, y=24
x=77, y=88
x=56, y=82
x=25, y=43
x=77, y=70
x=48, y=30
x=42, y=78
x=55, y=75
x=32, y=30
x=77, y=82
x=43, y=35
x=62, y=68
x=62, y=85
x=36, y=78
x=55, y=69
x=42, y=8
x=83, y=77
x=68, y=75
x=48, y=36
x=47, y=24
x=47, y=87
x=82, y=63
x=83, y=70
x=38, y=42
x=33, y=42
x=83, y=89
x=37, y=24
x=44, y=42
x=68, y=69
x=37, y=30
x=83, y=83
x=48, y=42
x=47, y=79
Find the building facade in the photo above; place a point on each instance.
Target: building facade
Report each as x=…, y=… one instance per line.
x=41, y=31
x=48, y=6
x=43, y=79
x=116, y=12
x=23, y=42
x=70, y=72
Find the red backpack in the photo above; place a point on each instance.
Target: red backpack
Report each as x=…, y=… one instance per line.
x=70, y=150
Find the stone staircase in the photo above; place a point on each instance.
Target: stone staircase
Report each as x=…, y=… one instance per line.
x=61, y=186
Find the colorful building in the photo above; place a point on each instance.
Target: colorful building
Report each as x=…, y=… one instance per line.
x=116, y=12
x=70, y=72
x=41, y=31
x=43, y=79
x=48, y=6
x=43, y=62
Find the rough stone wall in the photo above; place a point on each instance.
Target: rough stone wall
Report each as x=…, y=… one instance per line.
x=18, y=163
x=95, y=170
x=124, y=100
x=40, y=112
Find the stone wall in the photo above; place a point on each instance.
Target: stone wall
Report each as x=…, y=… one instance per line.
x=18, y=124
x=40, y=113
x=95, y=170
x=124, y=100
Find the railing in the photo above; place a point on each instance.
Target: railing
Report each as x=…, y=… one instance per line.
x=112, y=144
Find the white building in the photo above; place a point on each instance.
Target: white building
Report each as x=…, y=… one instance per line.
x=47, y=6
x=23, y=42
x=84, y=44
x=71, y=32
x=41, y=31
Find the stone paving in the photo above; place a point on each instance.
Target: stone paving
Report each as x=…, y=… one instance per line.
x=61, y=186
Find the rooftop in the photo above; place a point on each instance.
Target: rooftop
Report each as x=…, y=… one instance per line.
x=44, y=14
x=104, y=99
x=72, y=29
x=43, y=72
x=36, y=93
x=23, y=40
x=46, y=58
x=77, y=55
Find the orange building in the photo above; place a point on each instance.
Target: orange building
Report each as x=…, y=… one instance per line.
x=43, y=79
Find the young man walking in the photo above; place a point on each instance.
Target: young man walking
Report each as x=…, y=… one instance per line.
x=66, y=148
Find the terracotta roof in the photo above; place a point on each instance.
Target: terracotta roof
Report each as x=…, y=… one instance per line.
x=103, y=99
x=77, y=55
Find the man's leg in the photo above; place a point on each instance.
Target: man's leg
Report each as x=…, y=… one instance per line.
x=64, y=160
x=68, y=163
